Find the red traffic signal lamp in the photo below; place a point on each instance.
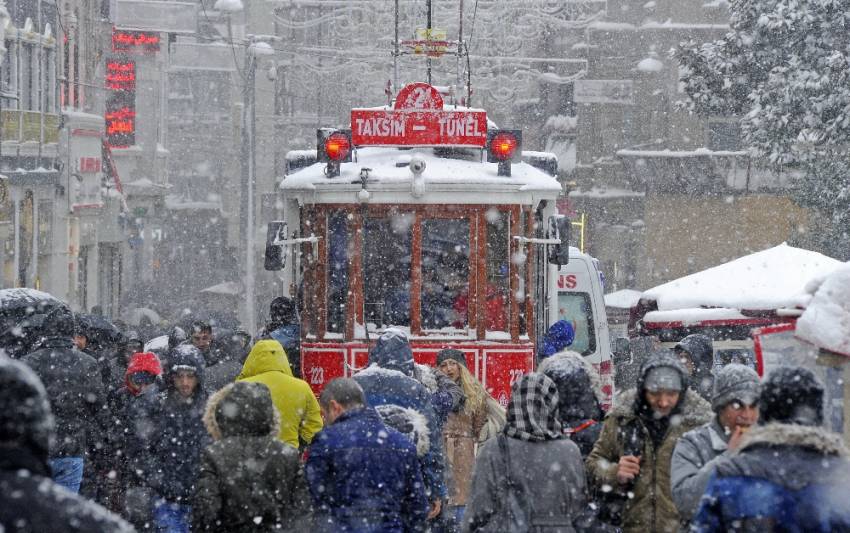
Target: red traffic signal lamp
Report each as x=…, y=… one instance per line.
x=333, y=147
x=504, y=147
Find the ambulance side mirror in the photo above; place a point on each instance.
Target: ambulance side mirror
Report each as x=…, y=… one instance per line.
x=275, y=257
x=559, y=230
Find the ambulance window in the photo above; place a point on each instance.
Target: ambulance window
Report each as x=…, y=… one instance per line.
x=445, y=273
x=338, y=261
x=497, y=289
x=386, y=270
x=575, y=308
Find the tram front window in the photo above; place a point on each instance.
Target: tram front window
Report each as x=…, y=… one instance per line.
x=386, y=270
x=338, y=259
x=445, y=273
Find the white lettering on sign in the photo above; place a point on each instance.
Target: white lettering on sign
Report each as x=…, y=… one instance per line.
x=380, y=126
x=317, y=375
x=459, y=126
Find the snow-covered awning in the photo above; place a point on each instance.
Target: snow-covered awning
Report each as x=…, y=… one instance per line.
x=769, y=280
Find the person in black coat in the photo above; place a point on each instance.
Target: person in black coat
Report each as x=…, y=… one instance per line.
x=75, y=389
x=178, y=438
x=249, y=480
x=29, y=501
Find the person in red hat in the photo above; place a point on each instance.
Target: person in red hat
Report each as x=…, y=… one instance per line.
x=134, y=412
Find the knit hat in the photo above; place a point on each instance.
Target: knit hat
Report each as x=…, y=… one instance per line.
x=791, y=395
x=735, y=382
x=663, y=378
x=560, y=335
x=454, y=355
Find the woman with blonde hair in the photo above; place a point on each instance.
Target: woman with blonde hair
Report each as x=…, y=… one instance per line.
x=465, y=428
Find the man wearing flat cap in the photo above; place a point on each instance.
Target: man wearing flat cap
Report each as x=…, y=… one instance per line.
x=735, y=402
x=631, y=459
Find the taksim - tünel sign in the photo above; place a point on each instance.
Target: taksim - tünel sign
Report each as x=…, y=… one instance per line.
x=418, y=119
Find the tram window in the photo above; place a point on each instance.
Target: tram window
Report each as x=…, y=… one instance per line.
x=445, y=273
x=338, y=261
x=386, y=270
x=574, y=307
x=498, y=286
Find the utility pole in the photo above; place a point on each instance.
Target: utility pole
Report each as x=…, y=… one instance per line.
x=246, y=203
x=428, y=35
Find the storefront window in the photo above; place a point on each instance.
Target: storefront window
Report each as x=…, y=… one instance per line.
x=445, y=274
x=498, y=285
x=386, y=270
x=338, y=261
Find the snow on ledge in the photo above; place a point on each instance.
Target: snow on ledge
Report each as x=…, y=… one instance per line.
x=699, y=152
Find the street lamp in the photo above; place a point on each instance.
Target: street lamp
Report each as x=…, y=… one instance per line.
x=253, y=51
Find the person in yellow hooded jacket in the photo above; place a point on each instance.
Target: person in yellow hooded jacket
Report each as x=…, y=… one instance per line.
x=299, y=410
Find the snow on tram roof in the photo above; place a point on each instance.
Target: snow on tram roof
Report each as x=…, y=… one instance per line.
x=384, y=162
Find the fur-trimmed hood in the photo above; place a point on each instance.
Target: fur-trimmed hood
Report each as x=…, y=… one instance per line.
x=790, y=455
x=694, y=411
x=241, y=409
x=410, y=422
x=813, y=438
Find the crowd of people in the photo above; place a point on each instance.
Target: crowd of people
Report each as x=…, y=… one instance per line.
x=215, y=432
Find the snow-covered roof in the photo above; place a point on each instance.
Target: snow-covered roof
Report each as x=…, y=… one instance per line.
x=622, y=299
x=826, y=320
x=772, y=279
x=384, y=164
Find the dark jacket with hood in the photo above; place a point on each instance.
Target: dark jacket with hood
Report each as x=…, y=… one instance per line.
x=388, y=380
x=702, y=355
x=785, y=477
x=179, y=433
x=30, y=502
x=249, y=480
x=631, y=429
x=579, y=397
x=365, y=477
x=74, y=386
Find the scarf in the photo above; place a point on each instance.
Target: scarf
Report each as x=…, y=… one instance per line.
x=533, y=409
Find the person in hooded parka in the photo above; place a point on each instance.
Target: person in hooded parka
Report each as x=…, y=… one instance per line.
x=579, y=397
x=30, y=502
x=791, y=473
x=632, y=457
x=179, y=437
x=531, y=477
x=696, y=353
x=249, y=481
x=388, y=380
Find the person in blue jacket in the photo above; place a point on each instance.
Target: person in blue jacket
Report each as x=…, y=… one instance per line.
x=363, y=476
x=389, y=381
x=284, y=327
x=791, y=474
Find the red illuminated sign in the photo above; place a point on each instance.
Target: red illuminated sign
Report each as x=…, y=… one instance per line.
x=89, y=165
x=120, y=114
x=418, y=119
x=121, y=75
x=134, y=41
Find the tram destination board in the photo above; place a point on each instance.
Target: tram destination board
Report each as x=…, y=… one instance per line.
x=418, y=118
